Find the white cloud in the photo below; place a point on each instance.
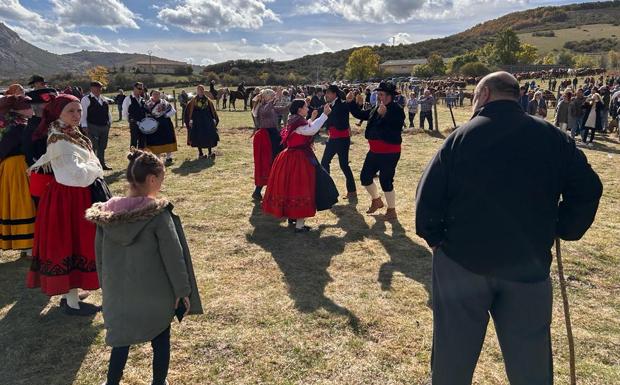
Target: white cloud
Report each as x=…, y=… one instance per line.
x=112, y=14
x=121, y=43
x=244, y=41
x=46, y=34
x=198, y=16
x=274, y=48
x=400, y=38
x=399, y=11
x=217, y=47
x=317, y=46
x=206, y=62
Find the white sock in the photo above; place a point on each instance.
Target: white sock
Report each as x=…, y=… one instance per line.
x=300, y=223
x=372, y=190
x=390, y=197
x=72, y=299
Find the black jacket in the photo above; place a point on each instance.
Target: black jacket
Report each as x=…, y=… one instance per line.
x=387, y=128
x=490, y=198
x=339, y=117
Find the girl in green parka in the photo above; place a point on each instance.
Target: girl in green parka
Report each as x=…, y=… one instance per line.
x=144, y=267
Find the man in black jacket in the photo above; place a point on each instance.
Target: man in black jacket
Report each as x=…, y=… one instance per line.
x=488, y=206
x=383, y=132
x=339, y=131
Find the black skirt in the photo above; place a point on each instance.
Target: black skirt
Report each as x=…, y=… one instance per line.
x=326, y=191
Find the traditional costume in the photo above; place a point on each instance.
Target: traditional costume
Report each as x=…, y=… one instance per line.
x=134, y=111
x=339, y=142
x=17, y=213
x=298, y=186
x=266, y=140
x=63, y=253
x=384, y=135
x=164, y=140
x=202, y=117
x=34, y=141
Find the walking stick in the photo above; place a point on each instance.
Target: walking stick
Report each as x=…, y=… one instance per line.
x=452, y=114
x=569, y=329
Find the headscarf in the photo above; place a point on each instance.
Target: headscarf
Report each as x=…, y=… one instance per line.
x=14, y=103
x=51, y=113
x=14, y=89
x=266, y=93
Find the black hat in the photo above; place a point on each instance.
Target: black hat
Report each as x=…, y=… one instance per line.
x=387, y=87
x=333, y=88
x=36, y=79
x=96, y=84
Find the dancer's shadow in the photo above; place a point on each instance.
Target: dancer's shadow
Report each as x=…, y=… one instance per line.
x=304, y=260
x=38, y=349
x=406, y=256
x=192, y=166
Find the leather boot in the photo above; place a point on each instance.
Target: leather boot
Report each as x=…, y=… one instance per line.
x=375, y=205
x=390, y=215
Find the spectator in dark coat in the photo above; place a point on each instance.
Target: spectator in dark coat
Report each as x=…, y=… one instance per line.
x=118, y=100
x=490, y=213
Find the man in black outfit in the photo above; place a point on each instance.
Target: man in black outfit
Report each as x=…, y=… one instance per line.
x=384, y=135
x=339, y=141
x=488, y=206
x=134, y=111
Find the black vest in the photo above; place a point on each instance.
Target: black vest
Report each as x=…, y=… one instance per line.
x=136, y=109
x=98, y=114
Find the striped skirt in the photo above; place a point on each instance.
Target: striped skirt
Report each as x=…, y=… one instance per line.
x=17, y=213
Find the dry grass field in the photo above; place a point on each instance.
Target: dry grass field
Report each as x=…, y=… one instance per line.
x=344, y=304
x=583, y=32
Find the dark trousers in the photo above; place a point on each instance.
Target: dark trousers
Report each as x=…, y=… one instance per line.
x=428, y=115
x=161, y=360
x=584, y=134
x=411, y=117
x=136, y=137
x=462, y=303
x=339, y=146
x=99, y=137
x=385, y=165
x=120, y=111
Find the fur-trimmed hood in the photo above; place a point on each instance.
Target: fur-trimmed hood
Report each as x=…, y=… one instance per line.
x=123, y=218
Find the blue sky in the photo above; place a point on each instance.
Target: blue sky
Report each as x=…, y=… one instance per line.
x=209, y=31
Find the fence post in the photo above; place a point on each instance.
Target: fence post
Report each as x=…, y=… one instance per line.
x=436, y=120
x=176, y=118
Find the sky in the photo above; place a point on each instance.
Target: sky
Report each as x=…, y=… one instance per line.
x=204, y=32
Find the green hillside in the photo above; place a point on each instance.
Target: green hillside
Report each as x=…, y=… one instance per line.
x=332, y=64
x=566, y=35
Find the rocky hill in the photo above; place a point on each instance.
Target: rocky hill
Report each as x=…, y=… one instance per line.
x=20, y=59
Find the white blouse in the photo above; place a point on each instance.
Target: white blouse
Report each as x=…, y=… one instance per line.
x=312, y=127
x=73, y=165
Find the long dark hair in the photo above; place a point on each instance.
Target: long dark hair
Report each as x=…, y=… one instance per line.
x=296, y=105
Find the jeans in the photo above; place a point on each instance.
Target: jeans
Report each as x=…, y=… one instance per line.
x=464, y=301
x=161, y=360
x=339, y=146
x=428, y=115
x=411, y=117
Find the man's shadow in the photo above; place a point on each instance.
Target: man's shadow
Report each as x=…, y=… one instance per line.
x=406, y=256
x=303, y=260
x=38, y=349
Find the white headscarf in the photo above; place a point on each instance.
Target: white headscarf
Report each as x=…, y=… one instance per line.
x=266, y=95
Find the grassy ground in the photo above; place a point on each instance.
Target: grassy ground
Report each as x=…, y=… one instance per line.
x=584, y=32
x=344, y=304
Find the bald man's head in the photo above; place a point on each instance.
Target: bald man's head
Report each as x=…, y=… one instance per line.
x=496, y=86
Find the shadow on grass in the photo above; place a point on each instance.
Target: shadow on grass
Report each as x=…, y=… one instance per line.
x=304, y=260
x=193, y=166
x=412, y=260
x=115, y=176
x=38, y=349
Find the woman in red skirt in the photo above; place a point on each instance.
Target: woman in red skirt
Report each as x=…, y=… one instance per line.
x=64, y=251
x=291, y=189
x=266, y=140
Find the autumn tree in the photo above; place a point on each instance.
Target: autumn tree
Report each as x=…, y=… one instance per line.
x=527, y=54
x=98, y=74
x=507, y=46
x=362, y=64
x=435, y=64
